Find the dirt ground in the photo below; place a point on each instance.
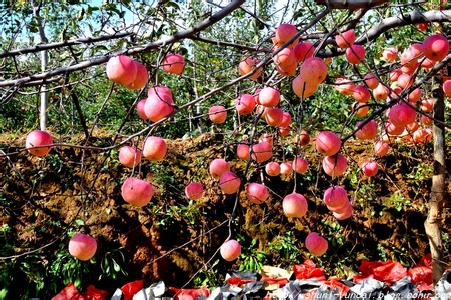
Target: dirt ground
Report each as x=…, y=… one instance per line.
x=41, y=197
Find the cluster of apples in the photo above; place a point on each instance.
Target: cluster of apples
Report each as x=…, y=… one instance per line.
x=127, y=72
x=314, y=242
x=159, y=104
x=135, y=191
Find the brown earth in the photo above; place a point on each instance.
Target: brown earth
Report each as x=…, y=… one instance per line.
x=42, y=197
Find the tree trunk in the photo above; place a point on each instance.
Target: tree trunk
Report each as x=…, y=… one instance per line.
x=434, y=220
x=44, y=61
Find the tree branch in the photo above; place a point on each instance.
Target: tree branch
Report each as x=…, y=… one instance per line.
x=152, y=45
x=49, y=46
x=393, y=22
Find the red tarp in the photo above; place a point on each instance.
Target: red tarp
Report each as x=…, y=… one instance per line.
x=131, y=288
x=70, y=292
x=308, y=270
x=421, y=274
x=386, y=271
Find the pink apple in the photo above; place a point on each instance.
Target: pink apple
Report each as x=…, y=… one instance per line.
x=303, y=50
x=229, y=183
x=313, y=69
x=269, y=97
x=336, y=198
x=371, y=81
x=230, y=250
x=218, y=166
x=402, y=114
x=194, y=190
x=344, y=86
x=381, y=148
x=272, y=168
x=404, y=81
x=136, y=192
x=428, y=105
x=247, y=65
x=328, y=143
x=82, y=246
x=368, y=131
x=159, y=103
x=303, y=88
x=360, y=110
x=273, y=116
x=370, y=168
x=121, y=69
x=286, y=168
x=335, y=165
x=294, y=205
x=390, y=54
x=316, y=244
x=344, y=214
x=436, y=47
x=140, y=109
x=129, y=156
x=257, y=193
x=285, y=58
x=415, y=95
x=381, y=92
x=300, y=165
x=155, y=148
x=217, y=114
x=284, y=32
x=361, y=94
x=174, y=63
x=41, y=139
x=245, y=104
x=345, y=39
x=261, y=151
x=355, y=54
x=141, y=77
x=242, y=151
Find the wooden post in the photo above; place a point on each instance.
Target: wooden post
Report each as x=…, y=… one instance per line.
x=433, y=223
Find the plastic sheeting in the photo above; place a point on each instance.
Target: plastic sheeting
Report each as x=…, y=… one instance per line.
x=385, y=280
